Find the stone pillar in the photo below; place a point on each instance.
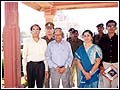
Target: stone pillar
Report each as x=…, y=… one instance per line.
x=49, y=14
x=11, y=46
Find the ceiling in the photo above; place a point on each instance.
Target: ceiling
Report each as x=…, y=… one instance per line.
x=42, y=6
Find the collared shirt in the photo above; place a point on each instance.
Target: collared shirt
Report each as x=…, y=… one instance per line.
x=59, y=54
x=68, y=39
x=97, y=38
x=109, y=48
x=34, y=51
x=47, y=40
x=75, y=44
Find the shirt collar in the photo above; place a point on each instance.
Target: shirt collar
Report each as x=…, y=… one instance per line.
x=62, y=41
x=34, y=41
x=113, y=37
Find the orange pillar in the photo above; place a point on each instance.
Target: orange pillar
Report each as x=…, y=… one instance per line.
x=11, y=46
x=49, y=14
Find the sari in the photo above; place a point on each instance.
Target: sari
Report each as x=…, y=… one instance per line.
x=87, y=59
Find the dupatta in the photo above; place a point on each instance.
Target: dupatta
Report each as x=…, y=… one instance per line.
x=86, y=63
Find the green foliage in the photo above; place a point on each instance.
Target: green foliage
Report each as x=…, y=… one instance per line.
x=25, y=84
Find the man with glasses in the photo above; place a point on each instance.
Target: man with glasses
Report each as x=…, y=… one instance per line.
x=109, y=46
x=35, y=67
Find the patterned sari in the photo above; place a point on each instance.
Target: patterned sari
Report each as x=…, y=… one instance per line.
x=87, y=59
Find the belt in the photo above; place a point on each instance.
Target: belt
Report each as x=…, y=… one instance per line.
x=36, y=62
x=110, y=61
x=60, y=66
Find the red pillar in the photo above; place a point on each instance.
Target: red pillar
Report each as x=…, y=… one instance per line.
x=11, y=46
x=49, y=14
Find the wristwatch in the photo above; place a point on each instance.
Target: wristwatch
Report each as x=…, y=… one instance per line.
x=90, y=72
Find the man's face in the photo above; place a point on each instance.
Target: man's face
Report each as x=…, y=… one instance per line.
x=35, y=31
x=49, y=30
x=111, y=27
x=71, y=34
x=100, y=29
x=76, y=34
x=58, y=35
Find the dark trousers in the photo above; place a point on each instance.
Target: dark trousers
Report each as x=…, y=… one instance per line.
x=35, y=71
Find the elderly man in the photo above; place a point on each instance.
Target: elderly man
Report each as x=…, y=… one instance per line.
x=59, y=57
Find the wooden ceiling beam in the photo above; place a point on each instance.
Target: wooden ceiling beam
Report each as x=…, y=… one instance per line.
x=40, y=6
x=33, y=5
x=86, y=5
x=45, y=4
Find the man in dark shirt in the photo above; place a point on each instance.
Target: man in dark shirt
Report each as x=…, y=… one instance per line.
x=97, y=37
x=75, y=44
x=109, y=46
x=49, y=28
x=70, y=34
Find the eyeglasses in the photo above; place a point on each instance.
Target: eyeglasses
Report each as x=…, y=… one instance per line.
x=111, y=26
x=37, y=30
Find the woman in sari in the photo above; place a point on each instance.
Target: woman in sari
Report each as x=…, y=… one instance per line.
x=88, y=57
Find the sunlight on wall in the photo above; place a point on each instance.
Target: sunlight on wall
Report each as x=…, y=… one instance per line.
x=89, y=18
x=29, y=16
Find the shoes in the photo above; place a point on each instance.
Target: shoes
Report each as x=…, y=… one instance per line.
x=72, y=85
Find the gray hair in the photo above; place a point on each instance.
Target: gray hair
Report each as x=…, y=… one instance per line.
x=60, y=29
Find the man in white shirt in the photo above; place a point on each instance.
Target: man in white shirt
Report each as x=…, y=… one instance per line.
x=34, y=65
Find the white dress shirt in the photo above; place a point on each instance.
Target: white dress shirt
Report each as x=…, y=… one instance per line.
x=34, y=51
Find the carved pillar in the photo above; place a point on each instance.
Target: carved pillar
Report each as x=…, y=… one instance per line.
x=11, y=46
x=49, y=14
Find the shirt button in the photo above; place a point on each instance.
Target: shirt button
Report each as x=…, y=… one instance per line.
x=110, y=45
x=110, y=61
x=110, y=50
x=110, y=56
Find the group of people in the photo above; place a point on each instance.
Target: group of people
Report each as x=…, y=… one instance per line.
x=52, y=57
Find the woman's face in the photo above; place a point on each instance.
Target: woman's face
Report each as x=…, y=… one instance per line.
x=87, y=37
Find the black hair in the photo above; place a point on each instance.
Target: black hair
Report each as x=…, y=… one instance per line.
x=100, y=25
x=60, y=31
x=35, y=25
x=110, y=22
x=50, y=24
x=88, y=32
x=75, y=31
x=71, y=30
